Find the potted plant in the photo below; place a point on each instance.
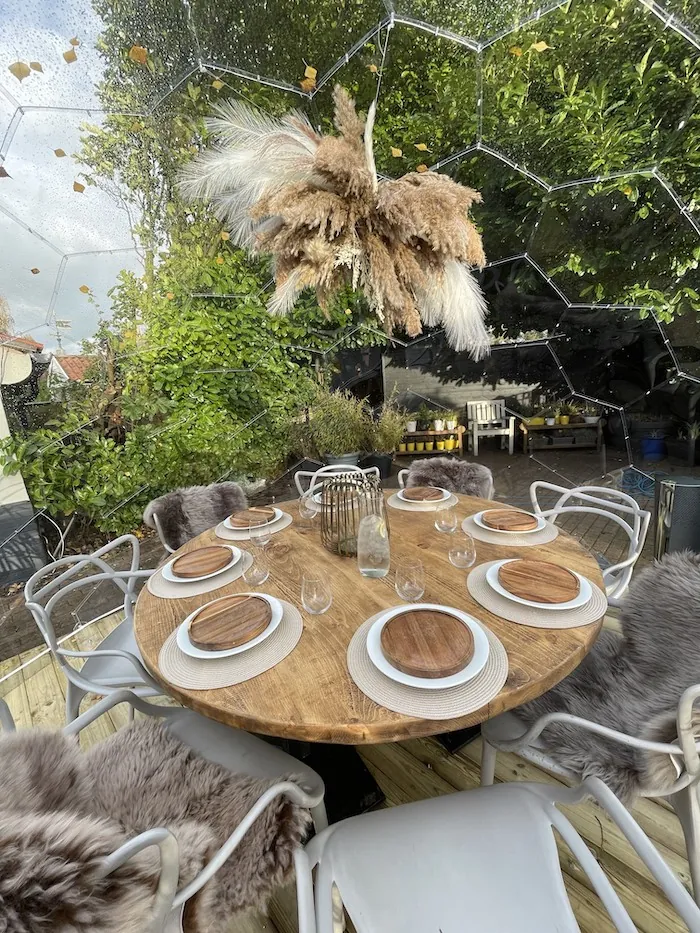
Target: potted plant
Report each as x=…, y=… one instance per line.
x=339, y=426
x=386, y=435
x=654, y=446
x=420, y=444
x=550, y=416
x=411, y=446
x=411, y=426
x=425, y=416
x=590, y=415
x=567, y=411
x=451, y=419
x=438, y=420
x=440, y=444
x=429, y=443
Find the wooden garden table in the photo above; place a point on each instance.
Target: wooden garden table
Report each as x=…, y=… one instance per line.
x=309, y=695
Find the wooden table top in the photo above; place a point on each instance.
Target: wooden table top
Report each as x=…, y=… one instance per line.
x=309, y=695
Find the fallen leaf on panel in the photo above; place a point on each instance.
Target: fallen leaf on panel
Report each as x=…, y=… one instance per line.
x=70, y=56
x=59, y=153
x=217, y=85
x=224, y=235
x=421, y=147
x=137, y=53
x=85, y=289
x=20, y=70
x=4, y=173
x=308, y=84
x=396, y=152
x=373, y=69
x=35, y=271
x=310, y=72
x=78, y=187
x=540, y=46
x=515, y=50
x=75, y=41
x=219, y=260
x=36, y=66
x=169, y=296
x=421, y=168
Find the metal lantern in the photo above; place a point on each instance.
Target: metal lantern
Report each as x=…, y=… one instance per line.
x=345, y=501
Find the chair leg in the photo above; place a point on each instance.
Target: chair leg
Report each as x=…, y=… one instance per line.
x=511, y=443
x=488, y=762
x=687, y=807
x=74, y=697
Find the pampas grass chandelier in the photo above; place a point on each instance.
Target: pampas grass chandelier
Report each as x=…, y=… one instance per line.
x=317, y=206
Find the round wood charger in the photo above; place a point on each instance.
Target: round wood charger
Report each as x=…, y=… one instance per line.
x=423, y=494
x=539, y=581
x=201, y=562
x=509, y=520
x=427, y=643
x=252, y=517
x=229, y=622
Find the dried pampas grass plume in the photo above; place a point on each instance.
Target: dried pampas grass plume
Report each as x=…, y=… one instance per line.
x=316, y=204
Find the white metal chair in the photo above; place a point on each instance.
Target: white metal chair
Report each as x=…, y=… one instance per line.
x=116, y=663
x=508, y=733
x=316, y=477
x=489, y=419
x=413, y=868
x=611, y=504
x=240, y=753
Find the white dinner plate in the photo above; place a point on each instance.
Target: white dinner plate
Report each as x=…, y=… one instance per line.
x=541, y=523
x=273, y=521
x=474, y=667
x=186, y=646
x=167, y=570
x=584, y=596
x=445, y=495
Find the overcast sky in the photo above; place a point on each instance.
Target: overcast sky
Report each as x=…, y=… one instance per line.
x=39, y=193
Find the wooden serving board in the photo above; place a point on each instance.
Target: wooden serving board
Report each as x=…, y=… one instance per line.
x=427, y=643
x=423, y=494
x=202, y=561
x=539, y=581
x=509, y=520
x=229, y=622
x=253, y=517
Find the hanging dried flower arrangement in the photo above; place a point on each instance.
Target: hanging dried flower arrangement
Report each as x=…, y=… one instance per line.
x=316, y=205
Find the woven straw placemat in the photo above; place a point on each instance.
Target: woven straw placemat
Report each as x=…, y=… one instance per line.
x=549, y=533
x=243, y=534
x=480, y=589
x=165, y=589
x=427, y=704
x=397, y=503
x=197, y=674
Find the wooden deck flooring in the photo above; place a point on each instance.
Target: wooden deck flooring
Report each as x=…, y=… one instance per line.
x=406, y=771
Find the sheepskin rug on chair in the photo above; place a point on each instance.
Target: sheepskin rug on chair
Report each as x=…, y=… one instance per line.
x=467, y=479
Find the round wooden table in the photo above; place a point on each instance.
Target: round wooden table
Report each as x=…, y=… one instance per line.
x=309, y=695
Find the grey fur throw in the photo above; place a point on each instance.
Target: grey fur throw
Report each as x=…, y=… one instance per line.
x=63, y=810
x=631, y=682
x=468, y=479
x=185, y=513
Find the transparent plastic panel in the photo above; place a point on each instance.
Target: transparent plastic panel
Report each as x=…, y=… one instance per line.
x=28, y=270
x=8, y=115
x=623, y=242
x=618, y=87
x=48, y=185
x=83, y=295
x=479, y=20
x=279, y=40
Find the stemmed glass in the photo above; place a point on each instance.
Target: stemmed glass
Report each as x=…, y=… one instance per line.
x=446, y=520
x=316, y=594
x=260, y=536
x=259, y=569
x=410, y=580
x=308, y=510
x=462, y=551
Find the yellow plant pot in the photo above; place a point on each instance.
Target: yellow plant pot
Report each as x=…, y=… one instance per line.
x=535, y=421
x=564, y=419
x=402, y=448
x=411, y=447
x=449, y=444
x=420, y=445
x=440, y=445
x=429, y=445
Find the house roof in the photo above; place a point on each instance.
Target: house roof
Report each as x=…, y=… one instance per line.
x=26, y=344
x=75, y=367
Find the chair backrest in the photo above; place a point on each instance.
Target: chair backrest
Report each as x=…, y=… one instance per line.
x=315, y=477
x=403, y=476
x=610, y=504
x=484, y=412
x=182, y=514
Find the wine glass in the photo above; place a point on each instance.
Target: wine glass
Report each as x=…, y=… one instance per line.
x=316, y=594
x=259, y=570
x=259, y=535
x=462, y=551
x=308, y=510
x=410, y=580
x=446, y=520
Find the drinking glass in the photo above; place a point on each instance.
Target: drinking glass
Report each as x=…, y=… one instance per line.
x=308, y=509
x=462, y=551
x=259, y=570
x=373, y=553
x=446, y=520
x=260, y=535
x=316, y=594
x=410, y=580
